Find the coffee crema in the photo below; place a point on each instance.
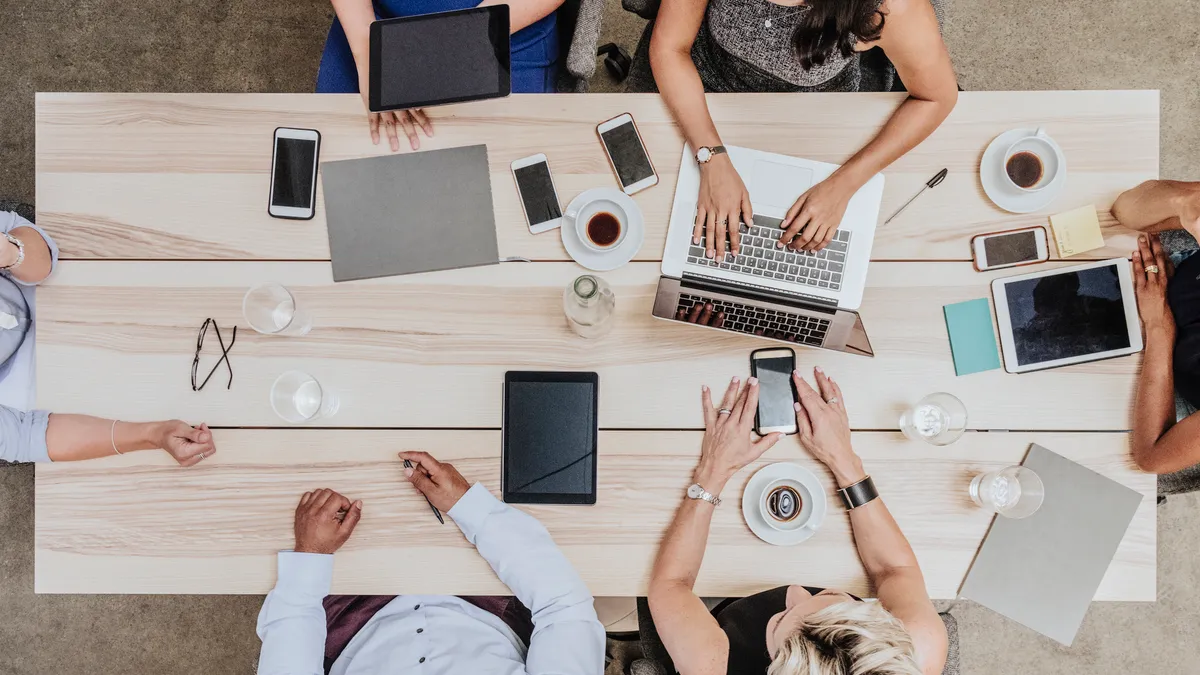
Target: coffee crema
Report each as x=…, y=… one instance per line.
x=603, y=229
x=783, y=503
x=1024, y=169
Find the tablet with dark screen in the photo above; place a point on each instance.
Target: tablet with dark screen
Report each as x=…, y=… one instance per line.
x=447, y=57
x=550, y=437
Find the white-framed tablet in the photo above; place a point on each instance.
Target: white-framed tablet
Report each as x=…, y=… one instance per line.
x=1067, y=315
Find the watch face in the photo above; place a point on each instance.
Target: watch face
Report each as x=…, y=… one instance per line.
x=695, y=491
x=703, y=155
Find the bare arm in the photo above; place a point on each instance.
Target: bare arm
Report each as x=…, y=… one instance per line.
x=678, y=80
x=76, y=437
x=38, y=260
x=1159, y=205
x=691, y=635
x=356, y=17
x=1157, y=444
x=886, y=554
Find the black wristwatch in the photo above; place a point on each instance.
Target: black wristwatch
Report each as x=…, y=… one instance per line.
x=858, y=494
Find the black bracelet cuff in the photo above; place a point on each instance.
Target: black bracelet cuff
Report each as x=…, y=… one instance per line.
x=858, y=494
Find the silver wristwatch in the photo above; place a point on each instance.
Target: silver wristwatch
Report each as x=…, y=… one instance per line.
x=696, y=491
x=705, y=155
x=20, y=251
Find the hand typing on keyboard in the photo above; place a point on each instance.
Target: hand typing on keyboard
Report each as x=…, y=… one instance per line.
x=722, y=204
x=812, y=221
x=702, y=314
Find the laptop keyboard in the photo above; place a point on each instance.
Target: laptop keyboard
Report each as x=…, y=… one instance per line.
x=759, y=257
x=754, y=320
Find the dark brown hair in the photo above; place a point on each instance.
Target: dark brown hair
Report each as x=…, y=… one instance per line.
x=833, y=25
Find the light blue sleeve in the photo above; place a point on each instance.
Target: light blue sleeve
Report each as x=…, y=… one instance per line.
x=23, y=435
x=291, y=623
x=568, y=638
x=10, y=221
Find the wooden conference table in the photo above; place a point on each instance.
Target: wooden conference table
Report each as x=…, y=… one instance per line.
x=159, y=205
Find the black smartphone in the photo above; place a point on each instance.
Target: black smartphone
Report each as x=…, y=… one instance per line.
x=294, y=173
x=776, y=394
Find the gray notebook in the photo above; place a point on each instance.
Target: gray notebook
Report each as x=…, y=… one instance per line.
x=410, y=212
x=1043, y=571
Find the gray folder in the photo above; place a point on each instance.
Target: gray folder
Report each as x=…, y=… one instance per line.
x=1043, y=571
x=410, y=212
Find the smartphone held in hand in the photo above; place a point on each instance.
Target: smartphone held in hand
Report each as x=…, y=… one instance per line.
x=776, y=393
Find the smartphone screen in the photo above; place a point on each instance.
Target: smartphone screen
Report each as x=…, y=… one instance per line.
x=1007, y=249
x=293, y=173
x=628, y=156
x=775, y=397
x=537, y=193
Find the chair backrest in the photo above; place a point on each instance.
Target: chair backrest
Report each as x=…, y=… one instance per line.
x=578, y=35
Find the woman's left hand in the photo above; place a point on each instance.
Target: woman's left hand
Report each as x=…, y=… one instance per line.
x=813, y=220
x=1151, y=286
x=727, y=445
x=187, y=444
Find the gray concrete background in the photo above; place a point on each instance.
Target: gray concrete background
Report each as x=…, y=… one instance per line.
x=274, y=45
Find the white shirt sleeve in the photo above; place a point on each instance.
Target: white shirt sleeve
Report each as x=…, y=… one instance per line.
x=10, y=221
x=568, y=639
x=291, y=624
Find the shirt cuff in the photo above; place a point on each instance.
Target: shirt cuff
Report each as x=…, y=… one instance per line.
x=309, y=572
x=473, y=509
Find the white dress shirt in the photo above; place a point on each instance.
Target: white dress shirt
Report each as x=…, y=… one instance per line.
x=437, y=634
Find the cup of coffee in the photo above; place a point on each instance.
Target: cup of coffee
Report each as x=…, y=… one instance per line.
x=1031, y=163
x=786, y=505
x=601, y=225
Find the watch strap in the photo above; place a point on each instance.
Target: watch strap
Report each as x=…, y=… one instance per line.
x=20, y=251
x=858, y=494
x=705, y=495
x=717, y=150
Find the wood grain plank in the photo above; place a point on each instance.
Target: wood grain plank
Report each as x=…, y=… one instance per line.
x=139, y=524
x=431, y=350
x=184, y=176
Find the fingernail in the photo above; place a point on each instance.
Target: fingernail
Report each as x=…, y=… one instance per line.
x=358, y=504
x=695, y=240
x=408, y=472
x=753, y=381
x=818, y=369
x=1143, y=237
x=735, y=379
x=704, y=387
x=709, y=253
x=779, y=244
x=796, y=407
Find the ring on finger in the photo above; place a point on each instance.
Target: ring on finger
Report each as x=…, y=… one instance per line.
x=1152, y=269
x=724, y=411
x=833, y=400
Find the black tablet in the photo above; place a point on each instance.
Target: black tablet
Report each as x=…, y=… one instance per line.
x=550, y=436
x=448, y=57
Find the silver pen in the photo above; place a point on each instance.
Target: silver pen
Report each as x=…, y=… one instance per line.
x=933, y=182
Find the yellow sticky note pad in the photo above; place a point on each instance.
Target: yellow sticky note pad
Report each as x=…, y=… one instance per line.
x=1077, y=231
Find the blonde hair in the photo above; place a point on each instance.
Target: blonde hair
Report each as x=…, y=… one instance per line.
x=849, y=638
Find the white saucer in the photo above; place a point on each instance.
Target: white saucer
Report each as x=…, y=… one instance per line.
x=626, y=210
x=1006, y=195
x=753, y=493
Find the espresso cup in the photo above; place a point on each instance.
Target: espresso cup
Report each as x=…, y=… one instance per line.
x=1031, y=164
x=593, y=225
x=786, y=505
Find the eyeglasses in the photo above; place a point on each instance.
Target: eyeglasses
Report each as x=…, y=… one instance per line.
x=224, y=354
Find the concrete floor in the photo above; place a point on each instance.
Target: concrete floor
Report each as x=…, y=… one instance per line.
x=274, y=45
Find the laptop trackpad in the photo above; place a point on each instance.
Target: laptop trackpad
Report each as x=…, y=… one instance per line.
x=778, y=185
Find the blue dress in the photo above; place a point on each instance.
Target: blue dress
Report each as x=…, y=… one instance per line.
x=534, y=49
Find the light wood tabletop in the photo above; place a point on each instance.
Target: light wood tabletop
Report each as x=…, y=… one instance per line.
x=158, y=202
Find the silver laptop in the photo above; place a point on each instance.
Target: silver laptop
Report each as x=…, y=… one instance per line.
x=799, y=297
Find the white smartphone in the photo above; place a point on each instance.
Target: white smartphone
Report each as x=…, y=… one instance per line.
x=776, y=396
x=1010, y=249
x=539, y=199
x=627, y=154
x=294, y=173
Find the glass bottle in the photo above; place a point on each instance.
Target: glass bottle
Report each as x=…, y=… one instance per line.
x=589, y=304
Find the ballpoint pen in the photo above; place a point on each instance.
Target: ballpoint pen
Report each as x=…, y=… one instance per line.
x=408, y=465
x=933, y=182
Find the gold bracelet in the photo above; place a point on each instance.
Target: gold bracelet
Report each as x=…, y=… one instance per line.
x=112, y=435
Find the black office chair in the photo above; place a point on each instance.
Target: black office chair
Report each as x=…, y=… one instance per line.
x=578, y=24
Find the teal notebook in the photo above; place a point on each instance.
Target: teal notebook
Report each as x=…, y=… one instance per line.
x=972, y=339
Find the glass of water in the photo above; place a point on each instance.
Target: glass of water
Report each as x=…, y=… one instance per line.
x=1013, y=492
x=272, y=309
x=297, y=397
x=938, y=419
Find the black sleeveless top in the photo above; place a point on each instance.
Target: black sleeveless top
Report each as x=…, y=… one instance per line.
x=744, y=621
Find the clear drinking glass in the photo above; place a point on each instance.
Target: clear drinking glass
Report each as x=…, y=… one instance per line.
x=297, y=397
x=272, y=309
x=938, y=419
x=1013, y=492
x=589, y=304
